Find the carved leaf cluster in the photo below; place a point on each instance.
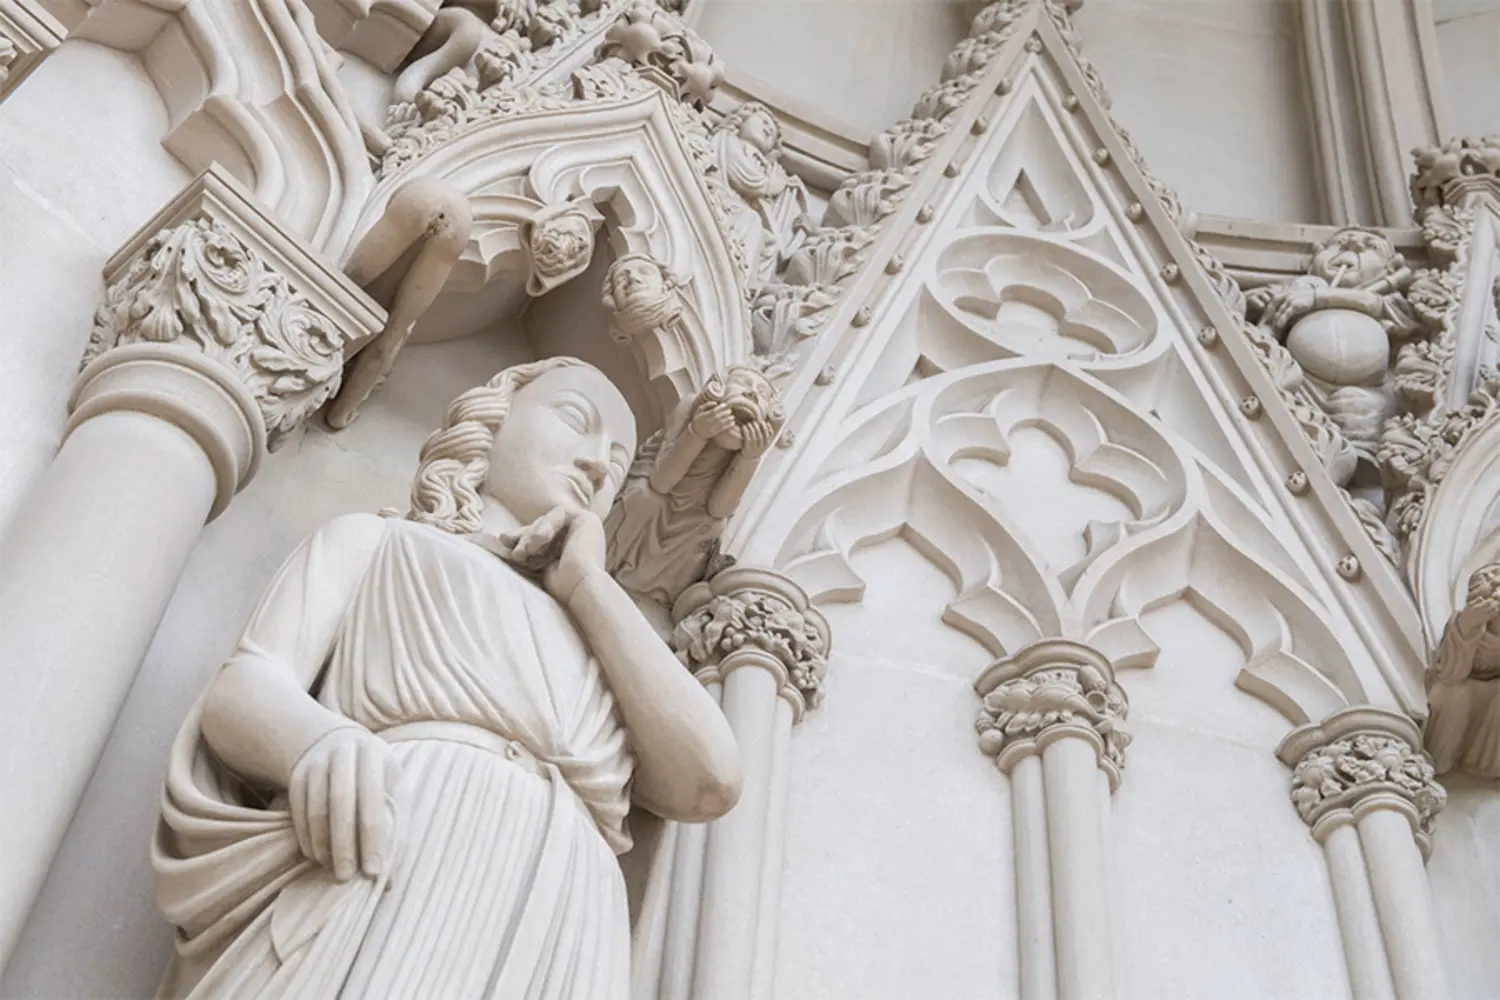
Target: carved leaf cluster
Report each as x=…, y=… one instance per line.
x=1024, y=707
x=758, y=620
x=1345, y=770
x=198, y=285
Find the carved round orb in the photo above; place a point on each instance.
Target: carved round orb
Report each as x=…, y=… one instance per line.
x=1341, y=346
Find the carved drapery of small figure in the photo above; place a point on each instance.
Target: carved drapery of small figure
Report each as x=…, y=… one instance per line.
x=747, y=155
x=687, y=480
x=1463, y=683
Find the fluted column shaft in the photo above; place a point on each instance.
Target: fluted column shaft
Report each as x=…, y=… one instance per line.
x=750, y=635
x=218, y=334
x=1363, y=784
x=1053, y=719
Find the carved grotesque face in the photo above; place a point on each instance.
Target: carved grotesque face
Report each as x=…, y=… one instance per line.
x=750, y=397
x=637, y=281
x=562, y=244
x=1354, y=258
x=761, y=131
x=567, y=441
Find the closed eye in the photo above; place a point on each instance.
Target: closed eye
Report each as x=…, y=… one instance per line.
x=574, y=415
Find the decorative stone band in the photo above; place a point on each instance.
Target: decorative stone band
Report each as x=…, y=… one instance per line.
x=1358, y=760
x=1456, y=172
x=218, y=320
x=27, y=34
x=1053, y=689
x=754, y=617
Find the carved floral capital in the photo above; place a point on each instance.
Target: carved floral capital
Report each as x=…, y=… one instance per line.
x=743, y=617
x=1357, y=760
x=1052, y=690
x=213, y=284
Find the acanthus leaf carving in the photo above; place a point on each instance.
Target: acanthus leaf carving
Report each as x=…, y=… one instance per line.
x=199, y=285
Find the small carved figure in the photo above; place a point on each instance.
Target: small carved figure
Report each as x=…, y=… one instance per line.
x=747, y=150
x=687, y=480
x=412, y=776
x=1338, y=321
x=1463, y=683
x=403, y=261
x=641, y=294
x=559, y=240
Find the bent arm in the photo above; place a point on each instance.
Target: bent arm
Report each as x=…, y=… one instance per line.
x=676, y=457
x=730, y=489
x=258, y=716
x=687, y=763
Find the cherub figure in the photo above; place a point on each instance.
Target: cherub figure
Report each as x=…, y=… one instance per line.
x=747, y=148
x=1338, y=321
x=1463, y=682
x=687, y=480
x=641, y=294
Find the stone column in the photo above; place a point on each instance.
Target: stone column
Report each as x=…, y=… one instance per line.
x=219, y=334
x=1373, y=85
x=1053, y=719
x=1362, y=783
x=27, y=34
x=750, y=634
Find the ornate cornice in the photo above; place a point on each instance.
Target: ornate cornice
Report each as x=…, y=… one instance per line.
x=1357, y=760
x=1051, y=690
x=754, y=617
x=215, y=284
x=27, y=34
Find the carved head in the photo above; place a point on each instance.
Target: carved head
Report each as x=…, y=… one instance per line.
x=753, y=122
x=751, y=398
x=560, y=240
x=640, y=293
x=536, y=436
x=1484, y=582
x=1355, y=258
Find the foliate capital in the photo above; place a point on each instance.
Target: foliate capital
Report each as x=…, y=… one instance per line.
x=1051, y=690
x=214, y=275
x=742, y=617
x=1357, y=760
x=1456, y=173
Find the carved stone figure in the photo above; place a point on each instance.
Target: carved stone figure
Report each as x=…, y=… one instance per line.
x=747, y=152
x=1338, y=321
x=1463, y=683
x=404, y=261
x=641, y=294
x=412, y=776
x=687, y=480
x=560, y=243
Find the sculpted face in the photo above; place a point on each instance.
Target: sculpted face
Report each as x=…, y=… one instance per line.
x=761, y=131
x=568, y=440
x=751, y=397
x=637, y=281
x=561, y=243
x=1354, y=258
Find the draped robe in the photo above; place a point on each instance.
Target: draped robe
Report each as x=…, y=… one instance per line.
x=512, y=806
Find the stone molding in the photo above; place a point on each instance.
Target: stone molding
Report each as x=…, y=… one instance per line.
x=27, y=34
x=1052, y=690
x=1358, y=760
x=742, y=617
x=214, y=286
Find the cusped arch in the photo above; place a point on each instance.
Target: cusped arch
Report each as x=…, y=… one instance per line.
x=630, y=160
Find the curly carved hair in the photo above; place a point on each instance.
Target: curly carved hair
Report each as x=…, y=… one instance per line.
x=737, y=118
x=455, y=461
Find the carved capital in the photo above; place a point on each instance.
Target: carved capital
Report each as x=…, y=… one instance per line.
x=27, y=34
x=1456, y=173
x=213, y=285
x=1359, y=759
x=1053, y=689
x=754, y=617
